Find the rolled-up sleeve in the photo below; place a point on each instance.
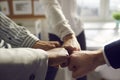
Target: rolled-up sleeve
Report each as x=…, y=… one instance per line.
x=14, y=34
x=56, y=17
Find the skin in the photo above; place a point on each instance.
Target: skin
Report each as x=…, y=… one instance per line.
x=57, y=56
x=83, y=62
x=70, y=44
x=46, y=45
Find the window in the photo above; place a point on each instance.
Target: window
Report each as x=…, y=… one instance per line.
x=88, y=7
x=114, y=6
x=97, y=9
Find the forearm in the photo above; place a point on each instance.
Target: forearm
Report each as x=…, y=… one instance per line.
x=98, y=58
x=69, y=36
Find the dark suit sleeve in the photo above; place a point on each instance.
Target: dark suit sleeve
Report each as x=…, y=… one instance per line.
x=112, y=52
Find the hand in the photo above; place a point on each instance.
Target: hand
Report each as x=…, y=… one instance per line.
x=46, y=45
x=57, y=56
x=71, y=43
x=83, y=62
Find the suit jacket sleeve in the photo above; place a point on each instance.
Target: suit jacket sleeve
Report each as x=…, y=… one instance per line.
x=112, y=52
x=23, y=64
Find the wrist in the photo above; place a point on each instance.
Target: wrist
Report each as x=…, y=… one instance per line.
x=99, y=58
x=67, y=37
x=36, y=44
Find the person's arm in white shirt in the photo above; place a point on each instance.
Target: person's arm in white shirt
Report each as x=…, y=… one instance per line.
x=22, y=63
x=57, y=19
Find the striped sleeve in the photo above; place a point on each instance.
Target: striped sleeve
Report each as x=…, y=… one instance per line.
x=14, y=34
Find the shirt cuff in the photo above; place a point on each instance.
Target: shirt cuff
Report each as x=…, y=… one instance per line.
x=29, y=41
x=106, y=60
x=62, y=29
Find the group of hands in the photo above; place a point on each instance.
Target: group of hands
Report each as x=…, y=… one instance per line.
x=68, y=55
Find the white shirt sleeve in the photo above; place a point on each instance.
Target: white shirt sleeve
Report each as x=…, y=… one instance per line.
x=56, y=17
x=23, y=64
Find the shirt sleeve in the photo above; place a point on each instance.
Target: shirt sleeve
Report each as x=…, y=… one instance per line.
x=56, y=18
x=14, y=34
x=106, y=60
x=23, y=64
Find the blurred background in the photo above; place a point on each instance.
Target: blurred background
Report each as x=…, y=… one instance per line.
x=98, y=16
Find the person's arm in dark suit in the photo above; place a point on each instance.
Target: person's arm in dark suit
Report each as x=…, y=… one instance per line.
x=83, y=62
x=112, y=53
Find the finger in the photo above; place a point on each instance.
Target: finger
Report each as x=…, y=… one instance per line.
x=69, y=49
x=65, y=64
x=48, y=47
x=57, y=44
x=63, y=61
x=54, y=45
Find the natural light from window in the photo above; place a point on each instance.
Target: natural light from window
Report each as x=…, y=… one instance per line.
x=114, y=6
x=88, y=7
x=100, y=10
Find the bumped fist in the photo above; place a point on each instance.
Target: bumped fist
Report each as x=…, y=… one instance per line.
x=83, y=62
x=70, y=43
x=57, y=56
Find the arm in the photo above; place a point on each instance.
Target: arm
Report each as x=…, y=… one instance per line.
x=28, y=62
x=112, y=53
x=83, y=62
x=19, y=36
x=57, y=19
x=22, y=63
